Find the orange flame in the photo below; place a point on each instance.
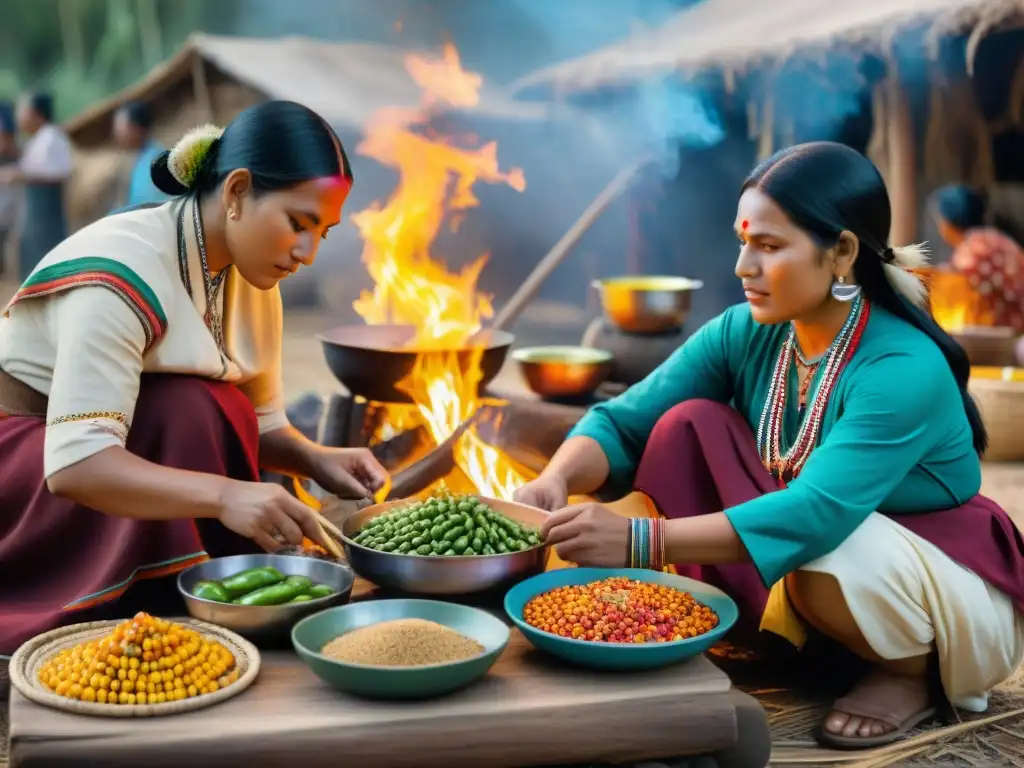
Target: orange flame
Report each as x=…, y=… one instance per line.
x=955, y=304
x=435, y=178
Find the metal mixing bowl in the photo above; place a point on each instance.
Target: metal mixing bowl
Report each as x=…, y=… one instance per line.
x=647, y=303
x=463, y=575
x=563, y=371
x=264, y=622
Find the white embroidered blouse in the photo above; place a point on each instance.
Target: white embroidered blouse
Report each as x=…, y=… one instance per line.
x=137, y=306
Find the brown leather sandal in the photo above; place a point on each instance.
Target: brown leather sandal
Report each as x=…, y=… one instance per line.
x=881, y=711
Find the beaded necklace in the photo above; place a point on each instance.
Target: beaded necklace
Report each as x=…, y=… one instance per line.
x=212, y=285
x=785, y=465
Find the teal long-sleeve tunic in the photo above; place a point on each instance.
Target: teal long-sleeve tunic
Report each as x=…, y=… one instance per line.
x=895, y=436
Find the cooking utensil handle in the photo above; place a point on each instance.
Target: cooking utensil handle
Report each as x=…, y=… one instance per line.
x=328, y=526
x=329, y=529
x=563, y=247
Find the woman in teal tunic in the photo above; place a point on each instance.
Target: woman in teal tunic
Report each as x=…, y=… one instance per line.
x=816, y=453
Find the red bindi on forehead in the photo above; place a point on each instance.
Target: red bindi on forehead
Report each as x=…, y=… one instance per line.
x=745, y=225
x=331, y=183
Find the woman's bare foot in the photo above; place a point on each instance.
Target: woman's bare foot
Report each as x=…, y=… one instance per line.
x=882, y=704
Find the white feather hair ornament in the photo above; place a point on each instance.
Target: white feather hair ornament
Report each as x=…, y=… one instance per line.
x=186, y=157
x=898, y=272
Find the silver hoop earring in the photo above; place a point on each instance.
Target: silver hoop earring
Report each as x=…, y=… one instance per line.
x=843, y=292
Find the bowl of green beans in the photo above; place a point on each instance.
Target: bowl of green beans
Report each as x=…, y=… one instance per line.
x=448, y=544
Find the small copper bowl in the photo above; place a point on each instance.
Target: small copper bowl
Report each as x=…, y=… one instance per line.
x=563, y=372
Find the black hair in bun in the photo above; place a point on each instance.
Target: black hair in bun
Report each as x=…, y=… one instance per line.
x=280, y=143
x=162, y=177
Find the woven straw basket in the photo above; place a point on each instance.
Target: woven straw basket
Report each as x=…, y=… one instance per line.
x=1002, y=409
x=30, y=657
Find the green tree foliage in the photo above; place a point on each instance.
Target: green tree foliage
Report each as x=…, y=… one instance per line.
x=83, y=50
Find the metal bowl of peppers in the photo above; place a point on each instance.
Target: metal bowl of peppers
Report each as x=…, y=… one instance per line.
x=262, y=596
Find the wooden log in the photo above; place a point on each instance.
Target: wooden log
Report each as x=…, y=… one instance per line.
x=402, y=449
x=433, y=467
x=528, y=425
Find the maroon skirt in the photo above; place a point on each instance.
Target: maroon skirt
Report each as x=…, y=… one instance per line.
x=701, y=457
x=63, y=563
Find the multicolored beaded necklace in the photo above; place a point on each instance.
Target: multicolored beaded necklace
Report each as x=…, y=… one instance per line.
x=211, y=284
x=785, y=465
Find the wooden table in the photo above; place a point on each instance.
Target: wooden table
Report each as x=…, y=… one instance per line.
x=530, y=710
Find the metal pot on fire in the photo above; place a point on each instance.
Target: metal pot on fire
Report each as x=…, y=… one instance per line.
x=369, y=360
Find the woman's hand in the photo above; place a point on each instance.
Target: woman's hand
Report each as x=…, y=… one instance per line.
x=267, y=513
x=589, y=535
x=349, y=473
x=546, y=492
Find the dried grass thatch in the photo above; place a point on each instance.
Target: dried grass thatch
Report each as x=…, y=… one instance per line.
x=993, y=739
x=345, y=82
x=736, y=35
x=794, y=711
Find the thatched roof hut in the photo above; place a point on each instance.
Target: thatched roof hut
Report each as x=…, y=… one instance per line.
x=738, y=35
x=213, y=78
x=737, y=39
x=344, y=82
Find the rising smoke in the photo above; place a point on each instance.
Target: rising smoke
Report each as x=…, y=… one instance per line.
x=696, y=127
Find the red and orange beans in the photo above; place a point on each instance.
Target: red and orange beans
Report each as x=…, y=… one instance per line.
x=620, y=610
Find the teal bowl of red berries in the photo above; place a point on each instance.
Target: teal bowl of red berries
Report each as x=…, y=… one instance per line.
x=620, y=618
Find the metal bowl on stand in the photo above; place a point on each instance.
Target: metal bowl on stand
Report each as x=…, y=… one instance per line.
x=563, y=372
x=647, y=303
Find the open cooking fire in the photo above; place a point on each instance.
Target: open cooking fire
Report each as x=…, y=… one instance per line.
x=436, y=179
x=955, y=304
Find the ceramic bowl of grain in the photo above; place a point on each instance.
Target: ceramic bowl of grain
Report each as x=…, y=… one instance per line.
x=400, y=649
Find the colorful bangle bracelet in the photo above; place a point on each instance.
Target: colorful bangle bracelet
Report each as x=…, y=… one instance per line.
x=646, y=543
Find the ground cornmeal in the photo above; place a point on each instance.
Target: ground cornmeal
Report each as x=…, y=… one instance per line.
x=402, y=643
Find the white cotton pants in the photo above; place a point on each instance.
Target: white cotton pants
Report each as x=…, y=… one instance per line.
x=908, y=597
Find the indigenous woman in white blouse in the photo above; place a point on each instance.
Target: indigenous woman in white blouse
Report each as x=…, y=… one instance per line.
x=140, y=386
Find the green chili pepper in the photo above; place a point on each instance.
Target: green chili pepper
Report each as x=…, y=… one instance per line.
x=275, y=594
x=211, y=590
x=320, y=590
x=251, y=579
